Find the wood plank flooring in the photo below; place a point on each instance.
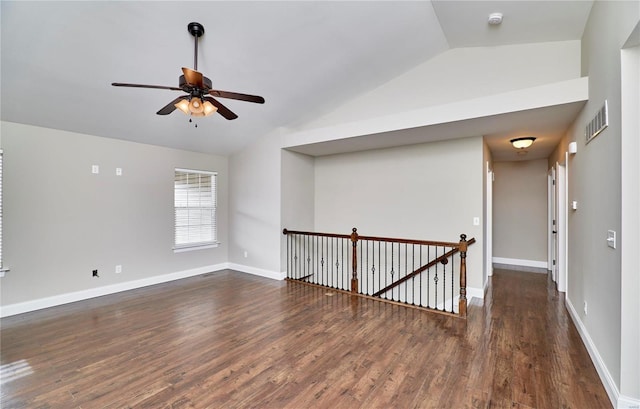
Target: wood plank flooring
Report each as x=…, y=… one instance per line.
x=232, y=340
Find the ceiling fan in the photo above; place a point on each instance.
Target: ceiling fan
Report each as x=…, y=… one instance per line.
x=198, y=100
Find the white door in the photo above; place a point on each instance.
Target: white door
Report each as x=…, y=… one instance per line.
x=552, y=264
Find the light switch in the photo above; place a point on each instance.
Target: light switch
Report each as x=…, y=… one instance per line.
x=574, y=205
x=611, y=239
x=476, y=221
x=95, y=169
x=118, y=171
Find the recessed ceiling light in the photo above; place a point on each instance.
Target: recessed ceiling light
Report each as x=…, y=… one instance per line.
x=495, y=19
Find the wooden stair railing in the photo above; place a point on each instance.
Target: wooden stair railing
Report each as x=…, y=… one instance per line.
x=319, y=259
x=444, y=259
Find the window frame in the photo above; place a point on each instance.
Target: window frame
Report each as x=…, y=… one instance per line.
x=196, y=245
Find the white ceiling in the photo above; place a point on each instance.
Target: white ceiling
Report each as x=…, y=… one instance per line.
x=58, y=59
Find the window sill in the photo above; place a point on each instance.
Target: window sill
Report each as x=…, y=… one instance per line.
x=193, y=247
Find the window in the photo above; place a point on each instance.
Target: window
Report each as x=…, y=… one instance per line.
x=195, y=209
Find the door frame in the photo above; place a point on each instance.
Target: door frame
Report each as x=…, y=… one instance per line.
x=561, y=224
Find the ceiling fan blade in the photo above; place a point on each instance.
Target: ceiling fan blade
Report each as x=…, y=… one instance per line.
x=171, y=106
x=192, y=77
x=222, y=110
x=122, y=84
x=234, y=95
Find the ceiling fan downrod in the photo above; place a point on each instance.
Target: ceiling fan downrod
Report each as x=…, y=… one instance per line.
x=196, y=30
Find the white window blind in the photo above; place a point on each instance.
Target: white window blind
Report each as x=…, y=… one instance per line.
x=195, y=208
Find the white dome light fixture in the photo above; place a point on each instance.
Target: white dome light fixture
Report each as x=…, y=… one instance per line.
x=495, y=19
x=522, y=143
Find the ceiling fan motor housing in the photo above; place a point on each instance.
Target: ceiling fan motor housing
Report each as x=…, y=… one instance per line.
x=206, y=85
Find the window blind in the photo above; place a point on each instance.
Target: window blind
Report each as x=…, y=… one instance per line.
x=195, y=208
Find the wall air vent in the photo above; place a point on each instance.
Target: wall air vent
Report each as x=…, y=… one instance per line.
x=598, y=123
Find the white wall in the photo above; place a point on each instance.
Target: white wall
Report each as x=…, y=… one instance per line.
x=463, y=73
x=61, y=221
x=594, y=273
x=630, y=264
x=255, y=200
x=298, y=208
x=520, y=211
x=428, y=192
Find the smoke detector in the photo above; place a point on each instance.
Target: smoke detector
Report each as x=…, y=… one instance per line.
x=495, y=19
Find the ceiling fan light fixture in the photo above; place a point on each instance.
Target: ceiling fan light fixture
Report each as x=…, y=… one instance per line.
x=522, y=143
x=195, y=106
x=183, y=106
x=209, y=108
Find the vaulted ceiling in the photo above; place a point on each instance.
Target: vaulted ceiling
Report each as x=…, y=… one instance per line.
x=58, y=59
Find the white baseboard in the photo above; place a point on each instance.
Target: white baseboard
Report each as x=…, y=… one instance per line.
x=474, y=293
x=618, y=402
x=38, y=304
x=519, y=262
x=625, y=402
x=274, y=275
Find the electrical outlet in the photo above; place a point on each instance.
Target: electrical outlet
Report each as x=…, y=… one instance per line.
x=118, y=269
x=95, y=169
x=246, y=254
x=585, y=308
x=95, y=273
x=118, y=171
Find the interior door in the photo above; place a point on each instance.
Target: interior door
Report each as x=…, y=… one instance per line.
x=552, y=227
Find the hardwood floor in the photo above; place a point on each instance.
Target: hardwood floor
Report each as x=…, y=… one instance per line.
x=232, y=340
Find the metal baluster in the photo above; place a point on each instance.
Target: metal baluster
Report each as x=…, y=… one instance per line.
x=380, y=266
x=444, y=281
x=453, y=279
x=322, y=260
x=288, y=259
x=392, y=265
x=435, y=287
x=420, y=279
x=428, y=279
x=338, y=275
x=413, y=279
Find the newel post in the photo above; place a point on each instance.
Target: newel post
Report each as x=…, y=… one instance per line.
x=354, y=260
x=462, y=303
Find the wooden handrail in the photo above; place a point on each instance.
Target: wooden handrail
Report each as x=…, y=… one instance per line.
x=376, y=238
x=427, y=266
x=310, y=233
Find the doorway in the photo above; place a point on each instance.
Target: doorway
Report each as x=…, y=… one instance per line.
x=557, y=224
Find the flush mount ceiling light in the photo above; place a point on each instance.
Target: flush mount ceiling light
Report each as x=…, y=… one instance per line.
x=522, y=143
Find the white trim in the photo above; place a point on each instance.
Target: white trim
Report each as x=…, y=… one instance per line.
x=203, y=172
x=274, y=275
x=33, y=305
x=520, y=262
x=473, y=292
x=606, y=378
x=191, y=247
x=41, y=303
x=625, y=402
